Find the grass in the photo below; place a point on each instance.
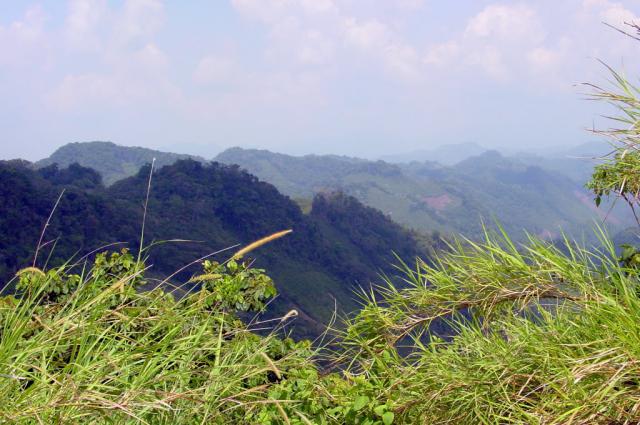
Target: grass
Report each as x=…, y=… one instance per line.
x=104, y=352
x=541, y=335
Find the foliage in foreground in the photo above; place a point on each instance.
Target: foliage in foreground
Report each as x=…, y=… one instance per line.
x=542, y=335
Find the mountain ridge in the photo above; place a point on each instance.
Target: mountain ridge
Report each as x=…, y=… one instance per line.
x=523, y=194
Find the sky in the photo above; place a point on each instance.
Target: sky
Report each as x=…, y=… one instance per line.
x=354, y=77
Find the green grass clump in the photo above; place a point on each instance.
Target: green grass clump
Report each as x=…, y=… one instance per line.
x=541, y=335
x=90, y=348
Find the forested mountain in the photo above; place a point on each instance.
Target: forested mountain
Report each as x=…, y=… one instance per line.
x=427, y=195
x=332, y=250
x=533, y=193
x=112, y=161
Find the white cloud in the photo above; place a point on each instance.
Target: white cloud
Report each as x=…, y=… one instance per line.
x=76, y=90
x=411, y=4
x=613, y=13
x=139, y=78
x=506, y=22
x=367, y=35
x=31, y=27
x=84, y=17
x=403, y=61
x=496, y=40
x=318, y=6
x=133, y=69
x=546, y=60
x=273, y=10
x=491, y=60
x=151, y=59
x=266, y=10
x=317, y=32
x=542, y=57
x=24, y=40
x=397, y=57
x=442, y=54
x=139, y=20
x=214, y=70
x=315, y=48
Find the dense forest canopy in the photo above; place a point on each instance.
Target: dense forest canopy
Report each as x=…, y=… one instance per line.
x=339, y=246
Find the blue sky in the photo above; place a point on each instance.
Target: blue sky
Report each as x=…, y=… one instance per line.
x=355, y=77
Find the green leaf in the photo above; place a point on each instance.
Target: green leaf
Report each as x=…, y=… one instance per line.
x=627, y=252
x=387, y=418
x=380, y=410
x=360, y=402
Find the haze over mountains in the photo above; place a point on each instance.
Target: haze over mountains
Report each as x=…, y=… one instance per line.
x=542, y=195
x=445, y=154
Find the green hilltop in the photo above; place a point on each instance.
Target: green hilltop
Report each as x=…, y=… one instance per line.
x=112, y=161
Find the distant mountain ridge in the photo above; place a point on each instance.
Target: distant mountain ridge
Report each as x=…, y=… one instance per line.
x=430, y=196
x=445, y=154
x=113, y=162
x=303, y=176
x=576, y=162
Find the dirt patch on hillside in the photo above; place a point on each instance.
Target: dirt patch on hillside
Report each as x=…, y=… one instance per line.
x=438, y=203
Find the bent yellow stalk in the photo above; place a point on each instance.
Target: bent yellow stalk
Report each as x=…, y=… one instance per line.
x=259, y=243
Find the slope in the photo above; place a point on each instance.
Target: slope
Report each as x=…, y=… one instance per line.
x=215, y=206
x=427, y=196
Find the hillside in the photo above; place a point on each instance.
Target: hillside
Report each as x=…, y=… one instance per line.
x=429, y=196
x=112, y=161
x=340, y=245
x=522, y=193
x=299, y=178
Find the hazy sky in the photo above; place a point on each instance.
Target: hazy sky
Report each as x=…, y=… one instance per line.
x=358, y=77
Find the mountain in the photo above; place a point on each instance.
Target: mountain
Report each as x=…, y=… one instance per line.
x=340, y=245
x=426, y=196
x=445, y=154
x=576, y=162
x=301, y=177
x=429, y=196
x=112, y=161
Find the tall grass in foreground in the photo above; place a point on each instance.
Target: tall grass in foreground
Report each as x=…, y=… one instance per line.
x=90, y=348
x=539, y=335
x=546, y=337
